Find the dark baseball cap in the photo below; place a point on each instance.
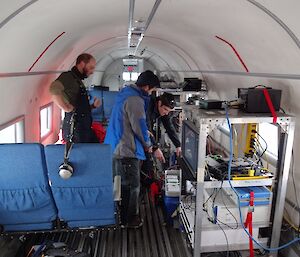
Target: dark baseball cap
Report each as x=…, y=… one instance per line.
x=148, y=78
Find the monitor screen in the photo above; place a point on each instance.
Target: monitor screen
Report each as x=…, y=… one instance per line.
x=190, y=138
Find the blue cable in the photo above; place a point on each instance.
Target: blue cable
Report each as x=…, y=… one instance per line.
x=239, y=204
x=39, y=250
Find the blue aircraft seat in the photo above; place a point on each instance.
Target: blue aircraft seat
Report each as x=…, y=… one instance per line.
x=108, y=99
x=26, y=201
x=86, y=198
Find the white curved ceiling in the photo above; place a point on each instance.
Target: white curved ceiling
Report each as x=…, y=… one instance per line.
x=182, y=33
x=181, y=37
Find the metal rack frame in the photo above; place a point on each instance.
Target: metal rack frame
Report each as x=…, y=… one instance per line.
x=208, y=120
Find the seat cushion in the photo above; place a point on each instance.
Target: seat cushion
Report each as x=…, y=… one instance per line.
x=108, y=99
x=85, y=199
x=26, y=200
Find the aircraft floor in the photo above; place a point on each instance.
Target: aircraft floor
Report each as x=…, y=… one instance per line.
x=154, y=239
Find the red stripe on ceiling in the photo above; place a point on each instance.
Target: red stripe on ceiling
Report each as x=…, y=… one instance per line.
x=235, y=51
x=45, y=51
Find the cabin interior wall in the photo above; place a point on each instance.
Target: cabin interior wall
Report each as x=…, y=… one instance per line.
x=25, y=96
x=112, y=76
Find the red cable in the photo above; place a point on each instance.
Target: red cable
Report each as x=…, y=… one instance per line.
x=266, y=93
x=45, y=51
x=248, y=223
x=270, y=104
x=235, y=51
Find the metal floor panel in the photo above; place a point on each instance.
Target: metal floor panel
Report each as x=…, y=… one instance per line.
x=153, y=239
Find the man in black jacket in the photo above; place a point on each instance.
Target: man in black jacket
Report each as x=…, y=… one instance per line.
x=158, y=113
x=70, y=94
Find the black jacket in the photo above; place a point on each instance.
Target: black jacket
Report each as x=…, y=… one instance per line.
x=76, y=93
x=153, y=115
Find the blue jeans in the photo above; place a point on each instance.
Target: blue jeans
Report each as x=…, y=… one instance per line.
x=129, y=170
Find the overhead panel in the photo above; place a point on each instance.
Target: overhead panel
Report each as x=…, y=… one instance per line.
x=140, y=17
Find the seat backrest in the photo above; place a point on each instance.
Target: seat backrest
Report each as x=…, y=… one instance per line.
x=108, y=99
x=26, y=201
x=86, y=198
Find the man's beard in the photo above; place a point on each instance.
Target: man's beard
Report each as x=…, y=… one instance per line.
x=84, y=72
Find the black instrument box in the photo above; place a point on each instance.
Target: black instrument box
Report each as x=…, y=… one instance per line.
x=254, y=99
x=210, y=104
x=192, y=84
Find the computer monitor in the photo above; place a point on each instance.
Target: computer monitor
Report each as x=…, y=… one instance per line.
x=190, y=139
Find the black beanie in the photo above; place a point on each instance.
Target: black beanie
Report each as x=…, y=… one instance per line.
x=148, y=78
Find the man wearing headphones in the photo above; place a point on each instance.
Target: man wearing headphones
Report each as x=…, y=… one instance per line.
x=70, y=94
x=159, y=112
x=127, y=133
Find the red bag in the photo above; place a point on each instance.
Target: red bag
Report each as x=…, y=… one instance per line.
x=99, y=130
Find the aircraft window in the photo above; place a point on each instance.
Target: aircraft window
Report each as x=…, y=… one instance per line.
x=134, y=76
x=269, y=133
x=126, y=76
x=13, y=132
x=268, y=137
x=130, y=76
x=46, y=120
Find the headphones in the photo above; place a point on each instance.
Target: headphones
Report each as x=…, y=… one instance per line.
x=65, y=170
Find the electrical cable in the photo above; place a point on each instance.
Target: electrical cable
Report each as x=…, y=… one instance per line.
x=238, y=197
x=29, y=253
x=188, y=205
x=259, y=146
x=281, y=109
x=209, y=197
x=264, y=150
x=227, y=244
x=236, y=147
x=217, y=223
x=215, y=194
x=258, y=157
x=235, y=219
x=264, y=142
x=39, y=250
x=230, y=227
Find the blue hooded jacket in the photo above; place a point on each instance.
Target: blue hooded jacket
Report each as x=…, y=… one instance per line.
x=127, y=132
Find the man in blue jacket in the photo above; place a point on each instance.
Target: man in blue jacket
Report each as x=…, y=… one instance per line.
x=128, y=135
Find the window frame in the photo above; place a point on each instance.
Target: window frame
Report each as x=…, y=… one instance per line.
x=14, y=122
x=44, y=137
